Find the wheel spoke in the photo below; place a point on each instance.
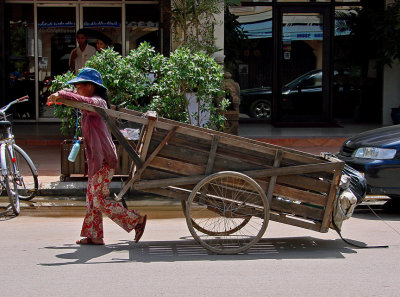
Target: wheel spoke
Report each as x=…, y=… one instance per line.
x=225, y=221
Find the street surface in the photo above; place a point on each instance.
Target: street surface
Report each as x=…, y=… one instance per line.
x=39, y=257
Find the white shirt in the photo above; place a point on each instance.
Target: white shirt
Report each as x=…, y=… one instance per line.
x=82, y=56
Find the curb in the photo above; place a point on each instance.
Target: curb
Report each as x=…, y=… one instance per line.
x=78, y=189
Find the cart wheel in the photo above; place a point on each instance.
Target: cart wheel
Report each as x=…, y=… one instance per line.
x=227, y=212
x=212, y=232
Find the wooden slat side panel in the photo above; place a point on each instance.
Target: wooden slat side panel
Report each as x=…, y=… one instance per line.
x=300, y=210
x=200, y=158
x=196, y=131
x=245, y=151
x=245, y=159
x=304, y=182
x=167, y=124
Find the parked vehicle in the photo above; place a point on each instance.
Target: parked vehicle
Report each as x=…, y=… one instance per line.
x=376, y=154
x=303, y=95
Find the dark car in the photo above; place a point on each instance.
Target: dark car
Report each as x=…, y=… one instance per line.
x=302, y=95
x=376, y=154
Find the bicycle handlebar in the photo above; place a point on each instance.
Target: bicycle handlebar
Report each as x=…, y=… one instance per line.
x=19, y=100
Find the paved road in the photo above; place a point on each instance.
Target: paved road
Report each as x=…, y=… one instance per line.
x=39, y=258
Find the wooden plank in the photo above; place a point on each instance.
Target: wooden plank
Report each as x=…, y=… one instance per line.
x=170, y=193
x=316, y=226
x=294, y=170
x=285, y=191
x=300, y=195
x=211, y=158
x=146, y=137
x=272, y=180
x=331, y=199
x=304, y=182
x=176, y=166
x=300, y=210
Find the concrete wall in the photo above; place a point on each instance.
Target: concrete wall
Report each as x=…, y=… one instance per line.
x=391, y=91
x=219, y=37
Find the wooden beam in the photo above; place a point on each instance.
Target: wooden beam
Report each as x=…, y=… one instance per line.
x=122, y=140
x=211, y=156
x=272, y=181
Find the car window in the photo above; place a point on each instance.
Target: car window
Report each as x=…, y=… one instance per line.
x=313, y=81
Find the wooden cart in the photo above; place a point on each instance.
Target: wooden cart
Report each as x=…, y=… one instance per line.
x=230, y=186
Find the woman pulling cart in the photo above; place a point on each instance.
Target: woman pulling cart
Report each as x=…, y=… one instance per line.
x=101, y=159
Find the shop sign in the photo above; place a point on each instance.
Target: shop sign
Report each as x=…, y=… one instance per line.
x=102, y=24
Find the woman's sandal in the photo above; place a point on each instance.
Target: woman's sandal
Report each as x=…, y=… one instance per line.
x=139, y=229
x=88, y=240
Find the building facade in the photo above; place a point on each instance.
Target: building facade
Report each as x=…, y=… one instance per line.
x=305, y=62
x=296, y=61
x=38, y=37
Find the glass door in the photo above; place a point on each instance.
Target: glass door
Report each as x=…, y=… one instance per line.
x=20, y=59
x=303, y=70
x=56, y=28
x=104, y=24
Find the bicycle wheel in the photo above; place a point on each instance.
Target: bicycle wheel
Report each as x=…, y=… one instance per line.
x=27, y=176
x=227, y=212
x=227, y=231
x=9, y=178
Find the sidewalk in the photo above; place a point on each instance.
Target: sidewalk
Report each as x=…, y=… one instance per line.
x=42, y=143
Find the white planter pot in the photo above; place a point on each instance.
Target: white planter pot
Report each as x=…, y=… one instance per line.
x=204, y=115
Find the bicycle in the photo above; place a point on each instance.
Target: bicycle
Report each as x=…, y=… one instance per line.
x=18, y=173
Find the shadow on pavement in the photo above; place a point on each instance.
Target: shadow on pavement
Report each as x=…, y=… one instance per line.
x=189, y=250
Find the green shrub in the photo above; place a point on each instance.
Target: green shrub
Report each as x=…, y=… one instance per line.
x=146, y=80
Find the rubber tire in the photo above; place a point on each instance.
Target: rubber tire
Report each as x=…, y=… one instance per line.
x=251, y=183
x=31, y=172
x=262, y=104
x=10, y=183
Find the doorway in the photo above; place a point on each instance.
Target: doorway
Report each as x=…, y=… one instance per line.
x=56, y=38
x=302, y=73
x=56, y=33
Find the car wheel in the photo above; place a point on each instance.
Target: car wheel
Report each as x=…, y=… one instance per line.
x=260, y=109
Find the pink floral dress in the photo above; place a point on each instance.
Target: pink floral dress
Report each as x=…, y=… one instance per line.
x=102, y=161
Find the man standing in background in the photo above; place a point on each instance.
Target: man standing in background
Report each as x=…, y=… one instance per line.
x=82, y=53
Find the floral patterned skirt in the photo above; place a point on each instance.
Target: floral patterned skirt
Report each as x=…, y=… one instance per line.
x=96, y=204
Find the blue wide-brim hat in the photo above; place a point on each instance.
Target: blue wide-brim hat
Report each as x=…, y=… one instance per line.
x=88, y=75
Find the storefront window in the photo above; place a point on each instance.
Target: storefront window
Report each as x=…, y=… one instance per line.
x=356, y=81
x=105, y=21
x=20, y=60
x=142, y=24
x=305, y=0
x=301, y=67
x=249, y=57
x=56, y=39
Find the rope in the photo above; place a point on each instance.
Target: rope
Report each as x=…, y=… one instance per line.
x=76, y=124
x=352, y=243
x=391, y=227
